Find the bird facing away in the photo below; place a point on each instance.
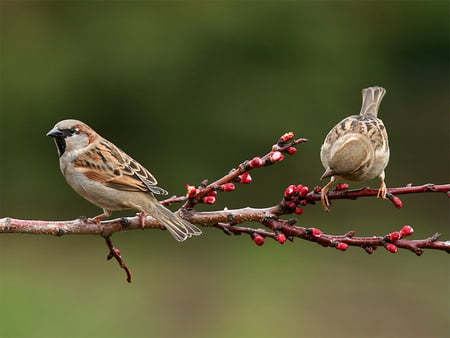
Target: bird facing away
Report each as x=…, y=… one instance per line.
x=107, y=177
x=357, y=148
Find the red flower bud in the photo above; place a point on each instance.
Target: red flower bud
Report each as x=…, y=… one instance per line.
x=299, y=211
x=292, y=205
x=397, y=201
x=341, y=186
x=209, y=199
x=228, y=187
x=276, y=156
x=213, y=193
x=287, y=137
x=281, y=238
x=342, y=246
x=258, y=239
x=391, y=248
x=316, y=232
x=291, y=150
x=407, y=230
x=191, y=190
x=289, y=192
x=303, y=191
x=256, y=162
x=393, y=236
x=303, y=202
x=245, y=178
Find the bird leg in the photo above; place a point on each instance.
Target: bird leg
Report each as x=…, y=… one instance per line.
x=383, y=189
x=324, y=194
x=97, y=219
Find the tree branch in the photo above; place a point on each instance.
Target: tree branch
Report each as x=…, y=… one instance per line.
x=295, y=198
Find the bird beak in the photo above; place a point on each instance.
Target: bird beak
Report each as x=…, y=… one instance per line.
x=55, y=132
x=327, y=173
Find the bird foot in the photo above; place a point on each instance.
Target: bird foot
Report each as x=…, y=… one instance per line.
x=324, y=198
x=142, y=216
x=382, y=192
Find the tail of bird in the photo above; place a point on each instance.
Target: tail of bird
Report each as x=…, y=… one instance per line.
x=178, y=227
x=371, y=100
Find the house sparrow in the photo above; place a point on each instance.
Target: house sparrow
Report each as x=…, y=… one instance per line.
x=107, y=177
x=357, y=149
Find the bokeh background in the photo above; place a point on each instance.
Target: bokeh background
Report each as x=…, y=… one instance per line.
x=191, y=90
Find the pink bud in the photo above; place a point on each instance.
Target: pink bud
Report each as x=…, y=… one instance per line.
x=281, y=238
x=191, y=190
x=391, y=248
x=276, y=156
x=287, y=137
x=117, y=251
x=292, y=205
x=228, y=187
x=209, y=199
x=341, y=186
x=299, y=211
x=393, y=236
x=342, y=246
x=407, y=230
x=245, y=178
x=256, y=162
x=213, y=193
x=316, y=232
x=289, y=192
x=397, y=201
x=303, y=191
x=303, y=202
x=291, y=150
x=258, y=239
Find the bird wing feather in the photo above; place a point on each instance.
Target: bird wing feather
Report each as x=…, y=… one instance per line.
x=110, y=166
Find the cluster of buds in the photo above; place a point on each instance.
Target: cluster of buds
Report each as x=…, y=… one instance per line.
x=261, y=239
x=295, y=190
x=395, y=236
x=294, y=196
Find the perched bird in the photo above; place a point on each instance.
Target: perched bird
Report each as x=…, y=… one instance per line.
x=357, y=148
x=107, y=177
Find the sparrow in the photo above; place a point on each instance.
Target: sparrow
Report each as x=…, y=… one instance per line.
x=107, y=177
x=357, y=148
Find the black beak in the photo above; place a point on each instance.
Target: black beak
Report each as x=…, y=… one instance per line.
x=55, y=132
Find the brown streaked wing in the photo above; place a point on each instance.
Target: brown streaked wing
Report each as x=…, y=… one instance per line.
x=108, y=165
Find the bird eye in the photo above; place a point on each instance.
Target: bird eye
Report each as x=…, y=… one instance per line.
x=73, y=130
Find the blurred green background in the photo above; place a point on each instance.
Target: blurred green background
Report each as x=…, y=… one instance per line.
x=191, y=90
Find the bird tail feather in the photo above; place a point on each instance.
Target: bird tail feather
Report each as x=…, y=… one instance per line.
x=371, y=100
x=178, y=227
